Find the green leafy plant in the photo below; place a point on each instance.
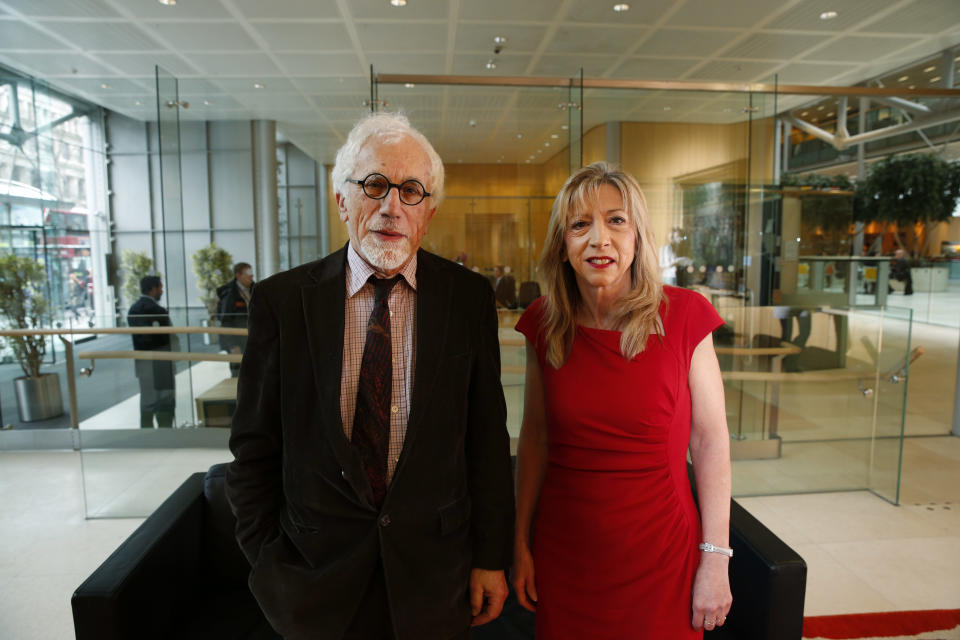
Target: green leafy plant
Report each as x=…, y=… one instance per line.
x=23, y=305
x=826, y=201
x=213, y=268
x=906, y=191
x=134, y=265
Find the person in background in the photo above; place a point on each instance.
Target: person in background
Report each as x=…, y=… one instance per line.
x=622, y=380
x=505, y=287
x=900, y=270
x=234, y=310
x=156, y=377
x=371, y=478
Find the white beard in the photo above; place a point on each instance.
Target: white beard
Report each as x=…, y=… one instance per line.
x=383, y=257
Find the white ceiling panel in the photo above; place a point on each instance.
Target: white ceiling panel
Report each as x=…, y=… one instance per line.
x=16, y=35
x=198, y=86
x=104, y=36
x=415, y=36
x=710, y=13
x=805, y=16
x=652, y=69
x=198, y=102
x=811, y=73
x=53, y=64
x=288, y=9
x=204, y=36
x=920, y=17
x=475, y=65
x=383, y=10
x=568, y=65
x=646, y=12
x=773, y=46
x=346, y=100
x=510, y=11
x=273, y=99
x=333, y=85
x=320, y=64
x=63, y=8
x=311, y=36
x=856, y=48
x=685, y=43
x=479, y=37
x=115, y=86
x=185, y=10
x=240, y=86
x=249, y=64
x=574, y=39
x=142, y=64
x=727, y=71
x=425, y=63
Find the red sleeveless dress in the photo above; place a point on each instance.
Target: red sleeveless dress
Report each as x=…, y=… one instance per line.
x=616, y=529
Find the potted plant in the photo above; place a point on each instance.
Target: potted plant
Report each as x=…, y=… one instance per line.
x=135, y=265
x=213, y=267
x=23, y=305
x=913, y=192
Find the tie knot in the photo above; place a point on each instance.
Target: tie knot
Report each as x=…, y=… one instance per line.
x=382, y=286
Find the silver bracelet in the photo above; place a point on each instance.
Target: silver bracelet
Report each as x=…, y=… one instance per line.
x=709, y=548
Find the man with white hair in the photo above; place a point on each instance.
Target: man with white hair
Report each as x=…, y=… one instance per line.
x=371, y=480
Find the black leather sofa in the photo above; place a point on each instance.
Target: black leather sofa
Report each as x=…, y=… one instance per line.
x=181, y=575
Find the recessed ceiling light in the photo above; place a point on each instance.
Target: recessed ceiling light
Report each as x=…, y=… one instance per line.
x=410, y=85
x=139, y=103
x=104, y=86
x=527, y=161
x=930, y=68
x=168, y=2
x=828, y=15
x=804, y=113
x=667, y=108
x=831, y=114
x=554, y=135
x=620, y=8
x=546, y=144
x=903, y=78
x=499, y=40
x=398, y=3
x=564, y=126
x=472, y=123
x=207, y=103
x=257, y=85
x=935, y=79
x=519, y=136
x=491, y=64
x=539, y=150
x=913, y=86
x=820, y=108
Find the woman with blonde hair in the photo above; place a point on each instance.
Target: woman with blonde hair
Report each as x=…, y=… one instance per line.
x=621, y=381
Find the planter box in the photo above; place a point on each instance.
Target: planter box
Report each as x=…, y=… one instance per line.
x=38, y=398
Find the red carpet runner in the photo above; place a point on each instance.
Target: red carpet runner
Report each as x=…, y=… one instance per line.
x=889, y=624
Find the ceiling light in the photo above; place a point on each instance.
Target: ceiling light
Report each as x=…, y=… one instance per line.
x=831, y=114
x=828, y=15
x=139, y=103
x=472, y=123
x=564, y=126
x=519, y=136
x=257, y=85
x=104, y=86
x=804, y=113
x=620, y=8
x=913, y=86
x=539, y=150
x=398, y=3
x=169, y=3
x=903, y=78
x=930, y=68
x=554, y=135
x=491, y=64
x=527, y=161
x=935, y=79
x=667, y=108
x=207, y=103
x=820, y=108
x=546, y=144
x=410, y=85
x=499, y=40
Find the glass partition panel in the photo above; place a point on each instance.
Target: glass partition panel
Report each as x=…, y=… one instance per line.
x=815, y=397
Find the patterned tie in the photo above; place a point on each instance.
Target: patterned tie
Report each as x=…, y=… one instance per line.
x=371, y=421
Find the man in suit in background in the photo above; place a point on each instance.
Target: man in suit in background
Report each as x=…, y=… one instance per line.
x=371, y=480
x=505, y=287
x=157, y=397
x=233, y=310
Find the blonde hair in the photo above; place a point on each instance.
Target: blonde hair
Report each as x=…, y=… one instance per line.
x=637, y=313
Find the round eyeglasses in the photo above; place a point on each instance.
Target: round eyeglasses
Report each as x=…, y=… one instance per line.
x=376, y=186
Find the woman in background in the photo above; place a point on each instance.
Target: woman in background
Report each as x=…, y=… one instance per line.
x=621, y=380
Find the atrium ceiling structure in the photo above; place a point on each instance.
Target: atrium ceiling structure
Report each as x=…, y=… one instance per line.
x=306, y=63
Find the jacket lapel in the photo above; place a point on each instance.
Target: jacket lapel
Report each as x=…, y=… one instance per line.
x=323, y=309
x=434, y=291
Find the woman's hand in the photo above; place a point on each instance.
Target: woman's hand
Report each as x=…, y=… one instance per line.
x=522, y=576
x=711, y=592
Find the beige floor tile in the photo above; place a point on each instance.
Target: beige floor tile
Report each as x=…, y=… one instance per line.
x=834, y=589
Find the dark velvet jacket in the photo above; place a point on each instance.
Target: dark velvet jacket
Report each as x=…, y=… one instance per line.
x=146, y=312
x=304, y=507
x=232, y=311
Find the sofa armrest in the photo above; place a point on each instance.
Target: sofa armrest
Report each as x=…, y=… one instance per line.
x=768, y=580
x=140, y=585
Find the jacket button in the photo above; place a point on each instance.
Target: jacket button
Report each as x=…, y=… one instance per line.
x=384, y=520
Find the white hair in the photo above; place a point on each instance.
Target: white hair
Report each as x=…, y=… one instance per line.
x=389, y=128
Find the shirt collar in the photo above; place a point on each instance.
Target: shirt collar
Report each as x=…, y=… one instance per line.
x=358, y=271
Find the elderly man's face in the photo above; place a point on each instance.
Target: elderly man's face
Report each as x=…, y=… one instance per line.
x=246, y=277
x=387, y=233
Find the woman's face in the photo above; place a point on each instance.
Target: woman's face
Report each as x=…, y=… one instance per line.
x=600, y=244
